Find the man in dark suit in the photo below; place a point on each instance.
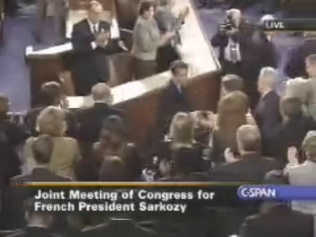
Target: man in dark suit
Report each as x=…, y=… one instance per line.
x=267, y=112
x=252, y=166
x=42, y=150
x=90, y=120
x=275, y=220
x=173, y=99
x=237, y=41
x=91, y=39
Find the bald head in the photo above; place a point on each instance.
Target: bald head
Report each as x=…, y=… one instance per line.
x=95, y=11
x=248, y=139
x=102, y=92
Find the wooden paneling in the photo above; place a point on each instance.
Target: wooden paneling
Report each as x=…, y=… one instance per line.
x=44, y=70
x=142, y=113
x=127, y=11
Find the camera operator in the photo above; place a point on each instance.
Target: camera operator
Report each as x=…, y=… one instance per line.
x=228, y=40
x=238, y=52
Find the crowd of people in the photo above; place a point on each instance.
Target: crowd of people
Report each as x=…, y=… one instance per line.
x=256, y=137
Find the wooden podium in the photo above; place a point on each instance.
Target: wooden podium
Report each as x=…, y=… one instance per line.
x=141, y=99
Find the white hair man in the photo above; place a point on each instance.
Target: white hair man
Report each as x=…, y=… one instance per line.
x=267, y=112
x=90, y=120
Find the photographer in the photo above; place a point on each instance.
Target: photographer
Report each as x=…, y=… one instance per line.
x=239, y=51
x=228, y=39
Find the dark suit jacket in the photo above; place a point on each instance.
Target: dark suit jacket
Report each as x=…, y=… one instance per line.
x=295, y=66
x=172, y=101
x=15, y=196
x=268, y=117
x=251, y=168
x=90, y=66
x=276, y=222
x=90, y=121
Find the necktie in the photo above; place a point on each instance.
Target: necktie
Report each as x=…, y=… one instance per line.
x=95, y=29
x=233, y=52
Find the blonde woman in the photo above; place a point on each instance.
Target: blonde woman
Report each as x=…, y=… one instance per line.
x=51, y=121
x=181, y=135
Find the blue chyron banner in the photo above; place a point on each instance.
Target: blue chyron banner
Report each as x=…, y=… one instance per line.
x=277, y=192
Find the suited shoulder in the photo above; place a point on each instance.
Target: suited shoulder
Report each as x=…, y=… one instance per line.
x=81, y=23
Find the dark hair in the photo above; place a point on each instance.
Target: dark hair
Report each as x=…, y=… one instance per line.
x=115, y=124
x=42, y=148
x=145, y=6
x=291, y=107
x=232, y=82
x=177, y=65
x=50, y=92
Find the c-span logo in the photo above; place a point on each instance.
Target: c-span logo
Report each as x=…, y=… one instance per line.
x=257, y=192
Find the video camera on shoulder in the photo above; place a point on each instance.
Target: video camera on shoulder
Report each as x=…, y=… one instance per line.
x=228, y=24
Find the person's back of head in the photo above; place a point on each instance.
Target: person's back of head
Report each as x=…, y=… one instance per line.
x=267, y=79
x=232, y=110
x=116, y=125
x=42, y=149
x=248, y=139
x=51, y=121
x=101, y=92
x=291, y=108
x=230, y=83
x=181, y=129
x=4, y=106
x=310, y=64
x=309, y=145
x=51, y=93
x=113, y=169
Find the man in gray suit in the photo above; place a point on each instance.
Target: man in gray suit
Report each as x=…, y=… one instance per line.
x=303, y=174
